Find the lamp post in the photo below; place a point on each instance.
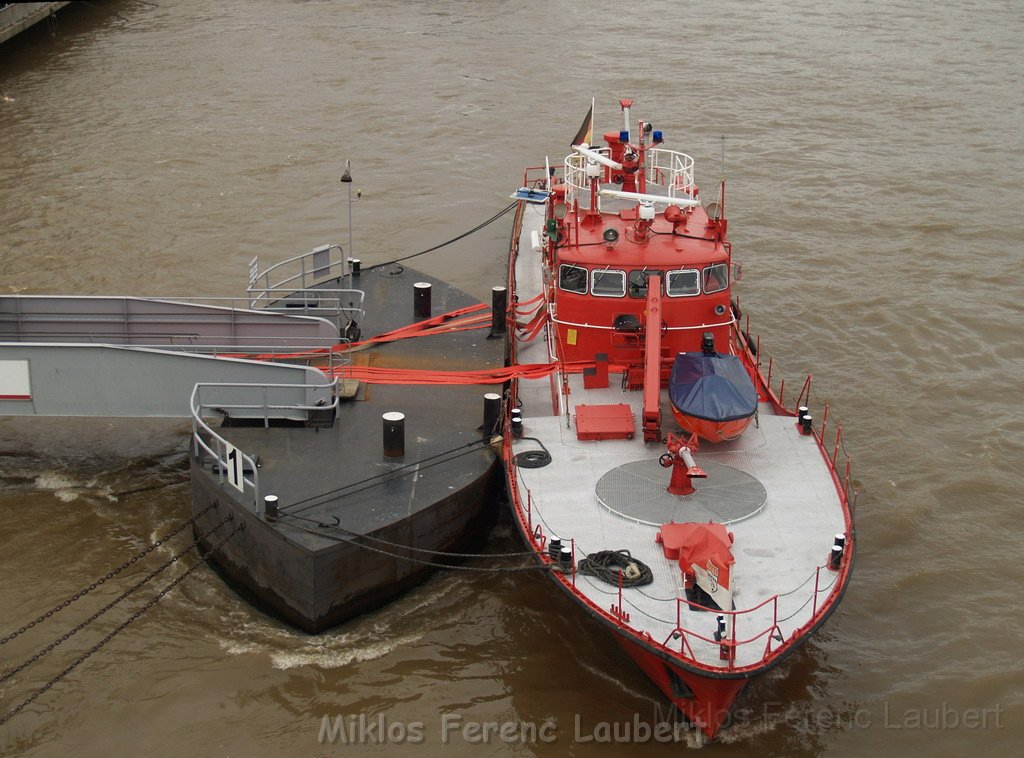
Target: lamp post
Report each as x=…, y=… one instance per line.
x=346, y=179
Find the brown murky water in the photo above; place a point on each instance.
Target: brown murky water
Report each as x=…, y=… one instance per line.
x=874, y=154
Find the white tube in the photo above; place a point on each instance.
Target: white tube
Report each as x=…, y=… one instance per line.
x=594, y=156
x=535, y=241
x=687, y=458
x=644, y=197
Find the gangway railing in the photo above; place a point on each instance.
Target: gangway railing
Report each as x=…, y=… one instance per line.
x=150, y=321
x=234, y=467
x=342, y=306
x=299, y=284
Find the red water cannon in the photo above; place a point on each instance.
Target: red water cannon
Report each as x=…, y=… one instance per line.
x=684, y=467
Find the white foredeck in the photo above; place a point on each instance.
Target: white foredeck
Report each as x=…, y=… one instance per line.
x=778, y=550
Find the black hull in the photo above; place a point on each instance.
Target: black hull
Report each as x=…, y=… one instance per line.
x=316, y=590
x=348, y=513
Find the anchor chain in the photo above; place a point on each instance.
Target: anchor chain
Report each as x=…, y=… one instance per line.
x=7, y=675
x=118, y=629
x=104, y=579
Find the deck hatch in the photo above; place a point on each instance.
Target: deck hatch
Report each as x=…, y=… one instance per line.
x=605, y=422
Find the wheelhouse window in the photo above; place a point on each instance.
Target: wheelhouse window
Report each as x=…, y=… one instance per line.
x=716, y=278
x=572, y=278
x=683, y=283
x=637, y=283
x=605, y=283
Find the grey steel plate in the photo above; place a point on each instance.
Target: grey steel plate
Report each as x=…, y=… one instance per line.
x=638, y=491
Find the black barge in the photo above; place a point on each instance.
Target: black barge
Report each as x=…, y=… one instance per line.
x=353, y=526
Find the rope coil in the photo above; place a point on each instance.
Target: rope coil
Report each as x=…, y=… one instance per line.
x=609, y=565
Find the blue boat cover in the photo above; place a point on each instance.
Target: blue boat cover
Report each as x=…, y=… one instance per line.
x=712, y=387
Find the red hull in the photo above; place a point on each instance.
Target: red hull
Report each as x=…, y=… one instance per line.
x=712, y=431
x=609, y=278
x=704, y=701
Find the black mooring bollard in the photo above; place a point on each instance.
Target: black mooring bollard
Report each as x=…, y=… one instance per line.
x=565, y=557
x=835, y=558
x=517, y=422
x=802, y=411
x=356, y=266
x=394, y=434
x=499, y=306
x=270, y=508
x=492, y=413
x=421, y=299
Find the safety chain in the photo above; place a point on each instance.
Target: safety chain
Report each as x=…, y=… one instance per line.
x=68, y=635
x=818, y=591
x=83, y=592
x=118, y=629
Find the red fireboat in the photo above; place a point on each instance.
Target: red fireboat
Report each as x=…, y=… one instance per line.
x=711, y=540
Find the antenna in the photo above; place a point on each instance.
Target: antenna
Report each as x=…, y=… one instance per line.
x=721, y=193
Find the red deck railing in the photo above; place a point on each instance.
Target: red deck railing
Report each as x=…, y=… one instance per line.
x=727, y=647
x=730, y=644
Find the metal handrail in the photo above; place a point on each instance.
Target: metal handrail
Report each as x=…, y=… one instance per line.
x=316, y=265
x=730, y=644
x=284, y=299
x=218, y=452
x=240, y=344
x=669, y=169
x=134, y=320
x=575, y=175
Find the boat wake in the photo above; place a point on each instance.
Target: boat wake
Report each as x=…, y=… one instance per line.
x=65, y=487
x=326, y=651
x=368, y=638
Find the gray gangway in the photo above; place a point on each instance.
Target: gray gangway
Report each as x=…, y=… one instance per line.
x=142, y=357
x=16, y=17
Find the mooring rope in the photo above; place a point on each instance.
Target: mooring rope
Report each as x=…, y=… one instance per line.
x=423, y=562
x=400, y=546
x=615, y=566
x=377, y=479
x=475, y=229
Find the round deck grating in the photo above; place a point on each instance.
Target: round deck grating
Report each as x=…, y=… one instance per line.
x=637, y=491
